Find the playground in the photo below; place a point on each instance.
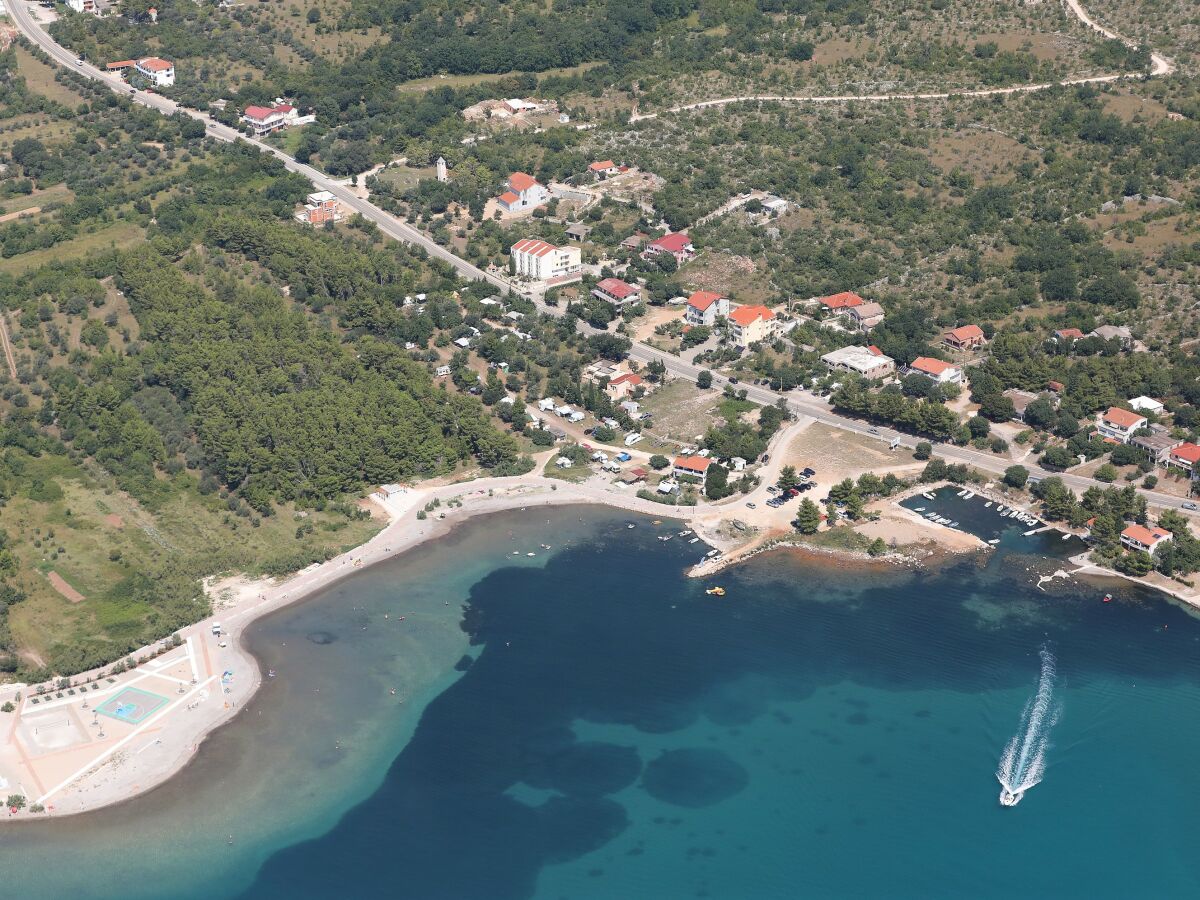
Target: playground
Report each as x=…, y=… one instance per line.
x=132, y=705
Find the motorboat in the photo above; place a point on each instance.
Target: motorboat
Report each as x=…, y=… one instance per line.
x=1010, y=798
x=716, y=591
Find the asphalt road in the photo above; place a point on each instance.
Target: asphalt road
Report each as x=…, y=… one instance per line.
x=399, y=230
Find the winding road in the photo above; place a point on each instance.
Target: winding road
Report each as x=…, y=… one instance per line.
x=803, y=405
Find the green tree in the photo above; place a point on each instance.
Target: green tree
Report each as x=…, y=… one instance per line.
x=1016, y=476
x=659, y=462
x=923, y=451
x=808, y=517
x=704, y=379
x=788, y=478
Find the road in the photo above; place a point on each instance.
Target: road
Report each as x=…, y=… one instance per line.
x=1159, y=65
x=402, y=231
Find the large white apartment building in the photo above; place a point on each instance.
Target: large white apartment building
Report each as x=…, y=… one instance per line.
x=540, y=261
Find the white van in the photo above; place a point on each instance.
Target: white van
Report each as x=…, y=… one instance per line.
x=632, y=438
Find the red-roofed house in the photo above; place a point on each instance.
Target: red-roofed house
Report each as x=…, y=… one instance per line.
x=623, y=386
x=939, y=371
x=691, y=465
x=1185, y=456
x=965, y=337
x=1139, y=537
x=704, y=307
x=1119, y=424
x=749, y=324
x=678, y=245
x=158, y=71
x=1068, y=335
x=524, y=192
x=265, y=119
x=844, y=300
x=540, y=261
x=617, y=292
x=604, y=169
x=120, y=66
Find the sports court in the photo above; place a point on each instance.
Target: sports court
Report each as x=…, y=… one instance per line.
x=132, y=705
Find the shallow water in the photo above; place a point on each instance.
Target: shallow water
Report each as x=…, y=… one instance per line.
x=615, y=732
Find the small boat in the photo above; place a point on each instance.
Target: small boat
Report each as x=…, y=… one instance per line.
x=961, y=494
x=270, y=673
x=968, y=495
x=718, y=591
x=1066, y=537
x=630, y=525
x=1108, y=598
x=531, y=553
x=953, y=524
x=994, y=541
x=712, y=553
x=920, y=509
x=665, y=537
x=928, y=496
x=1010, y=798
x=988, y=505
x=684, y=533
x=693, y=540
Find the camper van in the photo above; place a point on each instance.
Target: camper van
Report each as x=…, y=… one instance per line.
x=632, y=438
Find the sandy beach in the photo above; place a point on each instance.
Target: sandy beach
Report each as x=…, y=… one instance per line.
x=71, y=766
x=157, y=715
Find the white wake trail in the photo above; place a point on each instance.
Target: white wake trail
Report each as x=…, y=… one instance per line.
x=1023, y=762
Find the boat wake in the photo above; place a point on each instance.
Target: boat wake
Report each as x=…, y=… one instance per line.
x=1024, y=760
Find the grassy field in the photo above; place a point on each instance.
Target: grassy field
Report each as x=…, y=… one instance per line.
x=119, y=234
x=72, y=521
x=39, y=77
x=59, y=193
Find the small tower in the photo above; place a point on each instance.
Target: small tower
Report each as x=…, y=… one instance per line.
x=441, y=170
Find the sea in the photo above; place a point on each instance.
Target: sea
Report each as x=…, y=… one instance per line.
x=542, y=705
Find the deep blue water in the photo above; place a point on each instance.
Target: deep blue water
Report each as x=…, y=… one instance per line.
x=588, y=723
x=816, y=732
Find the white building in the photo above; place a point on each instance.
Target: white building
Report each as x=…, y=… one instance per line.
x=265, y=119
x=540, y=261
x=86, y=6
x=866, y=362
x=524, y=192
x=939, y=370
x=1119, y=424
x=704, y=307
x=158, y=71
x=751, y=324
x=442, y=174
x=1146, y=405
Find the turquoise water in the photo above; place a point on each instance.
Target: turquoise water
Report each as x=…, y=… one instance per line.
x=589, y=723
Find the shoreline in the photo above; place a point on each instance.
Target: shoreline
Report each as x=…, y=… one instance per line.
x=118, y=776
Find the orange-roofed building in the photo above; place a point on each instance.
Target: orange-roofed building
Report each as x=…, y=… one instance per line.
x=159, y=72
x=704, y=307
x=750, y=324
x=617, y=292
x=1185, y=456
x=966, y=337
x=524, y=193
x=691, y=465
x=605, y=168
x=1119, y=424
x=542, y=261
x=623, y=386
x=844, y=300
x=940, y=371
x=1139, y=537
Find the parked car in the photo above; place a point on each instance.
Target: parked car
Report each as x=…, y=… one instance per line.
x=751, y=505
x=808, y=473
x=771, y=489
x=766, y=457
x=1190, y=505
